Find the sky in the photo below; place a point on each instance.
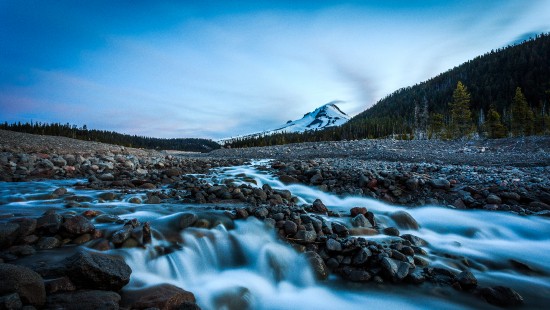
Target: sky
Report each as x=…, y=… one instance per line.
x=216, y=69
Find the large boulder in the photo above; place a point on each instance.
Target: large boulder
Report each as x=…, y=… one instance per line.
x=92, y=270
x=23, y=281
x=84, y=300
x=163, y=296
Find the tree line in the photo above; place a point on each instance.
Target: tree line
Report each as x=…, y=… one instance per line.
x=111, y=137
x=505, y=92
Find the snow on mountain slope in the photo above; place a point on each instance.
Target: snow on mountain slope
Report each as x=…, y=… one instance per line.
x=328, y=115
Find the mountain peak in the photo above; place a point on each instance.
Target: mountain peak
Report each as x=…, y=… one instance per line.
x=325, y=116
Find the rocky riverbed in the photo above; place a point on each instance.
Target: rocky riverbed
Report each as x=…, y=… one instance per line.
x=96, y=212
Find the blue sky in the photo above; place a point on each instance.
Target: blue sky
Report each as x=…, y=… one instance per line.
x=216, y=69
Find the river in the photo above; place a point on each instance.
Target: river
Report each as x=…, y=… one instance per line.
x=247, y=266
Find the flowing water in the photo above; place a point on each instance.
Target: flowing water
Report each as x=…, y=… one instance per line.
x=248, y=267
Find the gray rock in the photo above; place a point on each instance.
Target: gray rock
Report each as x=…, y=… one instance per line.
x=50, y=221
x=261, y=213
x=23, y=281
x=106, y=177
x=493, y=199
x=333, y=245
x=440, y=184
x=361, y=257
x=340, y=229
x=290, y=228
x=414, y=240
x=93, y=270
x=306, y=236
x=78, y=225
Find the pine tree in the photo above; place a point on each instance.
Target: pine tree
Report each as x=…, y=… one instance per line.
x=493, y=125
x=461, y=116
x=522, y=116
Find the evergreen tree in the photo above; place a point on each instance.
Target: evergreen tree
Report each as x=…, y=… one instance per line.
x=522, y=116
x=461, y=116
x=493, y=125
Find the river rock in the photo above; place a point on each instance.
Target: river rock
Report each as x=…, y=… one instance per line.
x=290, y=228
x=333, y=245
x=360, y=221
x=84, y=300
x=318, y=265
x=414, y=240
x=287, y=179
x=395, y=270
x=78, y=225
x=50, y=221
x=357, y=210
x=391, y=231
x=23, y=281
x=340, y=229
x=305, y=236
x=494, y=199
x=162, y=296
x=60, y=191
x=404, y=220
x=319, y=207
x=88, y=269
x=501, y=296
x=440, y=184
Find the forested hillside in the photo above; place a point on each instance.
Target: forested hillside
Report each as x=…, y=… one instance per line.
x=515, y=77
x=72, y=131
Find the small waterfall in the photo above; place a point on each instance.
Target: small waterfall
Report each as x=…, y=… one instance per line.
x=225, y=269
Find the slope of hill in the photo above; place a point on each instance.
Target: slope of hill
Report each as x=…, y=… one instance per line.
x=326, y=116
x=491, y=79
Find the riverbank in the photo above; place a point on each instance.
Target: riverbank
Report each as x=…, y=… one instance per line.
x=499, y=175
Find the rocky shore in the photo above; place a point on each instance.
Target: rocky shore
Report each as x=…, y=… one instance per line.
x=506, y=175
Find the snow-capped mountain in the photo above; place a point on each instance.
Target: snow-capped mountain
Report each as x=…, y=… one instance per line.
x=328, y=115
